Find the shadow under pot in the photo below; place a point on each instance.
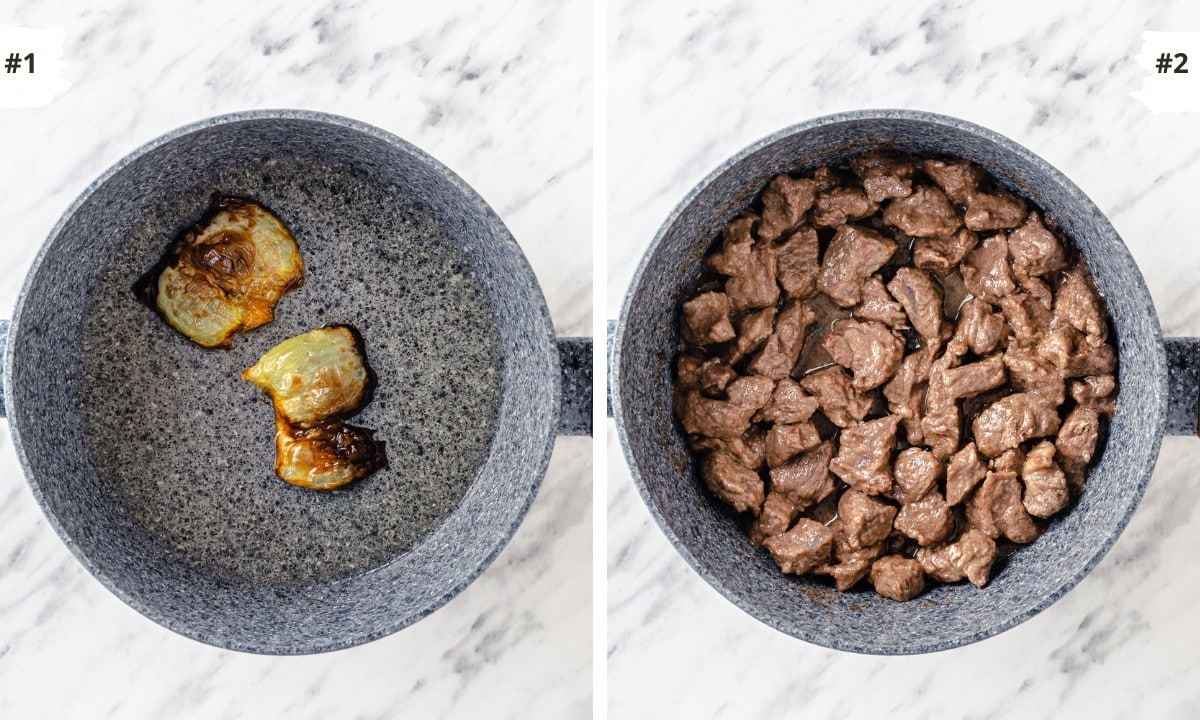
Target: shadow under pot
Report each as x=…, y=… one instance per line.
x=1157, y=381
x=153, y=460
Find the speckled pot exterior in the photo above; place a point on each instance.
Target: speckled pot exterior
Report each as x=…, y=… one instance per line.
x=153, y=459
x=709, y=536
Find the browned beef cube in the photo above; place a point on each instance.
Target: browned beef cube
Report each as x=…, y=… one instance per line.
x=799, y=550
x=963, y=473
x=941, y=428
x=853, y=255
x=841, y=205
x=966, y=380
x=985, y=270
x=1091, y=360
x=1038, y=288
x=710, y=376
x=897, y=578
x=915, y=473
x=1096, y=392
x=928, y=520
x=1076, y=440
x=927, y=212
x=879, y=306
x=851, y=568
x=749, y=449
x=750, y=267
x=1012, y=420
x=726, y=418
x=1027, y=316
x=1031, y=373
x=781, y=351
x=1011, y=461
x=733, y=482
x=838, y=399
x=883, y=176
x=921, y=298
x=776, y=517
x=785, y=201
x=753, y=329
x=864, y=456
x=959, y=179
x=805, y=479
x=971, y=556
x=687, y=370
x=1035, y=250
x=940, y=255
x=789, y=404
x=905, y=392
x=828, y=178
x=865, y=521
x=996, y=509
x=868, y=349
x=1058, y=344
x=997, y=211
x=784, y=442
x=1045, y=484
x=796, y=263
x=706, y=319
x=979, y=328
x=1077, y=303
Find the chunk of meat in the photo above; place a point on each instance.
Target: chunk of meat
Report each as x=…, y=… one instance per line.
x=986, y=272
x=941, y=428
x=1078, y=304
x=959, y=179
x=1095, y=392
x=805, y=479
x=879, y=306
x=749, y=266
x=868, y=349
x=785, y=201
x=941, y=254
x=1027, y=316
x=687, y=370
x=853, y=255
x=928, y=520
x=1035, y=251
x=915, y=473
x=835, y=394
x=827, y=178
x=1009, y=461
x=784, y=442
x=865, y=521
x=1038, y=288
x=995, y=509
x=781, y=351
x=1029, y=372
x=714, y=376
x=1012, y=420
x=799, y=550
x=725, y=418
x=966, y=381
x=883, y=176
x=796, y=263
x=1058, y=343
x=841, y=205
x=776, y=517
x=927, y=212
x=971, y=556
x=905, y=392
x=963, y=473
x=864, y=456
x=921, y=298
x=749, y=449
x=994, y=211
x=851, y=568
x=1091, y=360
x=897, y=578
x=733, y=482
x=789, y=404
x=706, y=319
x=979, y=328
x=1045, y=484
x=753, y=329
x=1076, y=441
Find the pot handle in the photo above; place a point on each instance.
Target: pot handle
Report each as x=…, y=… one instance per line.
x=1183, y=389
x=575, y=357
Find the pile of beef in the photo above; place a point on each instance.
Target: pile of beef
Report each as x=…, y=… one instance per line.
x=890, y=368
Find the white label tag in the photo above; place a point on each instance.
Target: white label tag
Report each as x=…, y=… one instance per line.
x=31, y=66
x=1172, y=61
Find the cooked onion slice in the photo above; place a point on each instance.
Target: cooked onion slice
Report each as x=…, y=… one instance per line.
x=227, y=274
x=325, y=456
x=314, y=376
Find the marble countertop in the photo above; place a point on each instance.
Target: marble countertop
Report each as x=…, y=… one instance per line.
x=688, y=88
x=501, y=93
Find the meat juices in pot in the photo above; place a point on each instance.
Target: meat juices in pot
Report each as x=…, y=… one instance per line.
x=896, y=371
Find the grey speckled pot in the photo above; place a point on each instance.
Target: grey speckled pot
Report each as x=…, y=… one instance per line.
x=153, y=459
x=710, y=538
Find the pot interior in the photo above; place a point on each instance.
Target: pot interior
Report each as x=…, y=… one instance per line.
x=712, y=538
x=156, y=459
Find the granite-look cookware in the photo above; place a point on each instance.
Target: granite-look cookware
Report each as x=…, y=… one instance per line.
x=153, y=459
x=712, y=539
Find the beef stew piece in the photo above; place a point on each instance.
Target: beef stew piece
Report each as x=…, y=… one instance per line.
x=785, y=201
x=853, y=255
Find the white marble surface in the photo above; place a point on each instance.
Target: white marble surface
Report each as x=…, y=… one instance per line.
x=688, y=88
x=501, y=92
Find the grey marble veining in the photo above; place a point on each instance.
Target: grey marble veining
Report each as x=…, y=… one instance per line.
x=689, y=88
